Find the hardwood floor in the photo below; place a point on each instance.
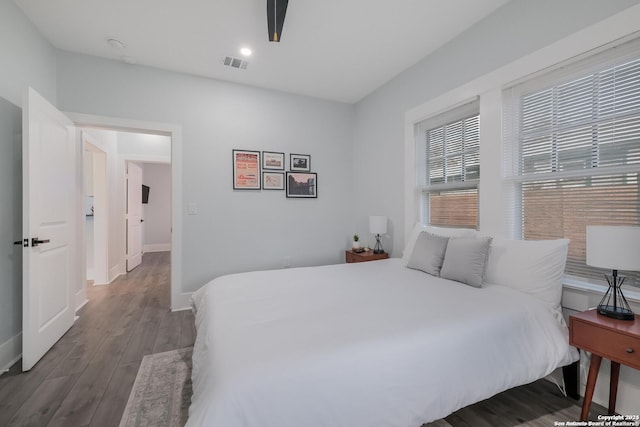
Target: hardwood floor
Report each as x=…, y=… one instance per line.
x=539, y=404
x=86, y=378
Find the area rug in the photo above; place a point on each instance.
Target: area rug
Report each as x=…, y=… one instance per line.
x=161, y=393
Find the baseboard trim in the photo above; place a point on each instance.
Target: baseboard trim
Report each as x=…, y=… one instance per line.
x=82, y=304
x=10, y=352
x=157, y=247
x=115, y=272
x=182, y=302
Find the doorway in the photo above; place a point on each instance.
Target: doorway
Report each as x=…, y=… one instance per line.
x=148, y=211
x=179, y=299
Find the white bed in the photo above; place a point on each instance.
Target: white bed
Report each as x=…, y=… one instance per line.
x=369, y=344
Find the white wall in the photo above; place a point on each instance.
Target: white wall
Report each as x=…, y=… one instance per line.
x=27, y=60
x=157, y=213
x=10, y=230
x=137, y=145
x=233, y=230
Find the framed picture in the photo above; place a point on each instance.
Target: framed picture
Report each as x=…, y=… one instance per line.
x=272, y=161
x=302, y=185
x=246, y=170
x=272, y=181
x=300, y=162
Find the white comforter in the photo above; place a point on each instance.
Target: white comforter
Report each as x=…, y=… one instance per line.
x=369, y=344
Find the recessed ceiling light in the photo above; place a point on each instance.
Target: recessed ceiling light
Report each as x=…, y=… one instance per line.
x=115, y=43
x=245, y=51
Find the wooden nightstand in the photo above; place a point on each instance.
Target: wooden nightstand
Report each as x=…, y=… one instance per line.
x=351, y=256
x=616, y=340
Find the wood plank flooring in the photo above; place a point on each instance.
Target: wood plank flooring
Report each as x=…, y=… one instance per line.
x=86, y=378
x=539, y=404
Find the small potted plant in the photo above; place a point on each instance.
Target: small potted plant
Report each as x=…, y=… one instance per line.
x=356, y=242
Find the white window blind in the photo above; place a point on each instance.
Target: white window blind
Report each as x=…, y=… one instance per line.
x=573, y=152
x=451, y=168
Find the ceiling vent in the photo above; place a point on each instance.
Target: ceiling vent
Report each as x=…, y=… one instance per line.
x=235, y=62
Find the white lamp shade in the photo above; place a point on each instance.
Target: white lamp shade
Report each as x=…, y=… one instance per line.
x=377, y=224
x=613, y=247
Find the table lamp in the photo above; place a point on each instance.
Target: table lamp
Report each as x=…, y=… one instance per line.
x=617, y=248
x=378, y=226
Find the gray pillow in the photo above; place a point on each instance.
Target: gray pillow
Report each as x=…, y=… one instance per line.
x=465, y=259
x=428, y=253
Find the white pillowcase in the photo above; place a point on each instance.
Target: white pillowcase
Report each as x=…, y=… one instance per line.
x=535, y=267
x=439, y=231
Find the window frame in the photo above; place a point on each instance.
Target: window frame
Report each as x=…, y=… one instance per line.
x=424, y=187
x=517, y=178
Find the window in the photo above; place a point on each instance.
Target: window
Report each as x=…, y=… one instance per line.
x=573, y=152
x=450, y=170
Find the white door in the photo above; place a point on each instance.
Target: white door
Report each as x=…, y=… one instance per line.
x=49, y=225
x=134, y=216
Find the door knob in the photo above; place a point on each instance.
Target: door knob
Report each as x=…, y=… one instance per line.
x=24, y=242
x=35, y=241
x=141, y=220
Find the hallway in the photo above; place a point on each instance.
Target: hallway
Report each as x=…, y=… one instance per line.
x=86, y=378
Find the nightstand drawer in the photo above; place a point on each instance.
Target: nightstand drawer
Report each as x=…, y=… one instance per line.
x=611, y=345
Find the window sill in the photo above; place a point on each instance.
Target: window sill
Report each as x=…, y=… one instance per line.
x=629, y=293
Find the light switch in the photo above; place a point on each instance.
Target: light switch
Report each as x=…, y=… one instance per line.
x=192, y=208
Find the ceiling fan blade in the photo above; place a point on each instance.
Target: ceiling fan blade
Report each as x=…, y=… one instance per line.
x=276, y=10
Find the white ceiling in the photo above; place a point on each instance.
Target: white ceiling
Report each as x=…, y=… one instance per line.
x=334, y=49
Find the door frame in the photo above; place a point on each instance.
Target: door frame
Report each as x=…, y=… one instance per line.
x=179, y=300
x=101, y=202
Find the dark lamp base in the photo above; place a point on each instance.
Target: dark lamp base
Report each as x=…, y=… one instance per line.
x=619, y=313
x=378, y=247
x=613, y=304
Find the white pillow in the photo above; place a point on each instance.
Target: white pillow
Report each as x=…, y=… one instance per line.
x=535, y=267
x=438, y=231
